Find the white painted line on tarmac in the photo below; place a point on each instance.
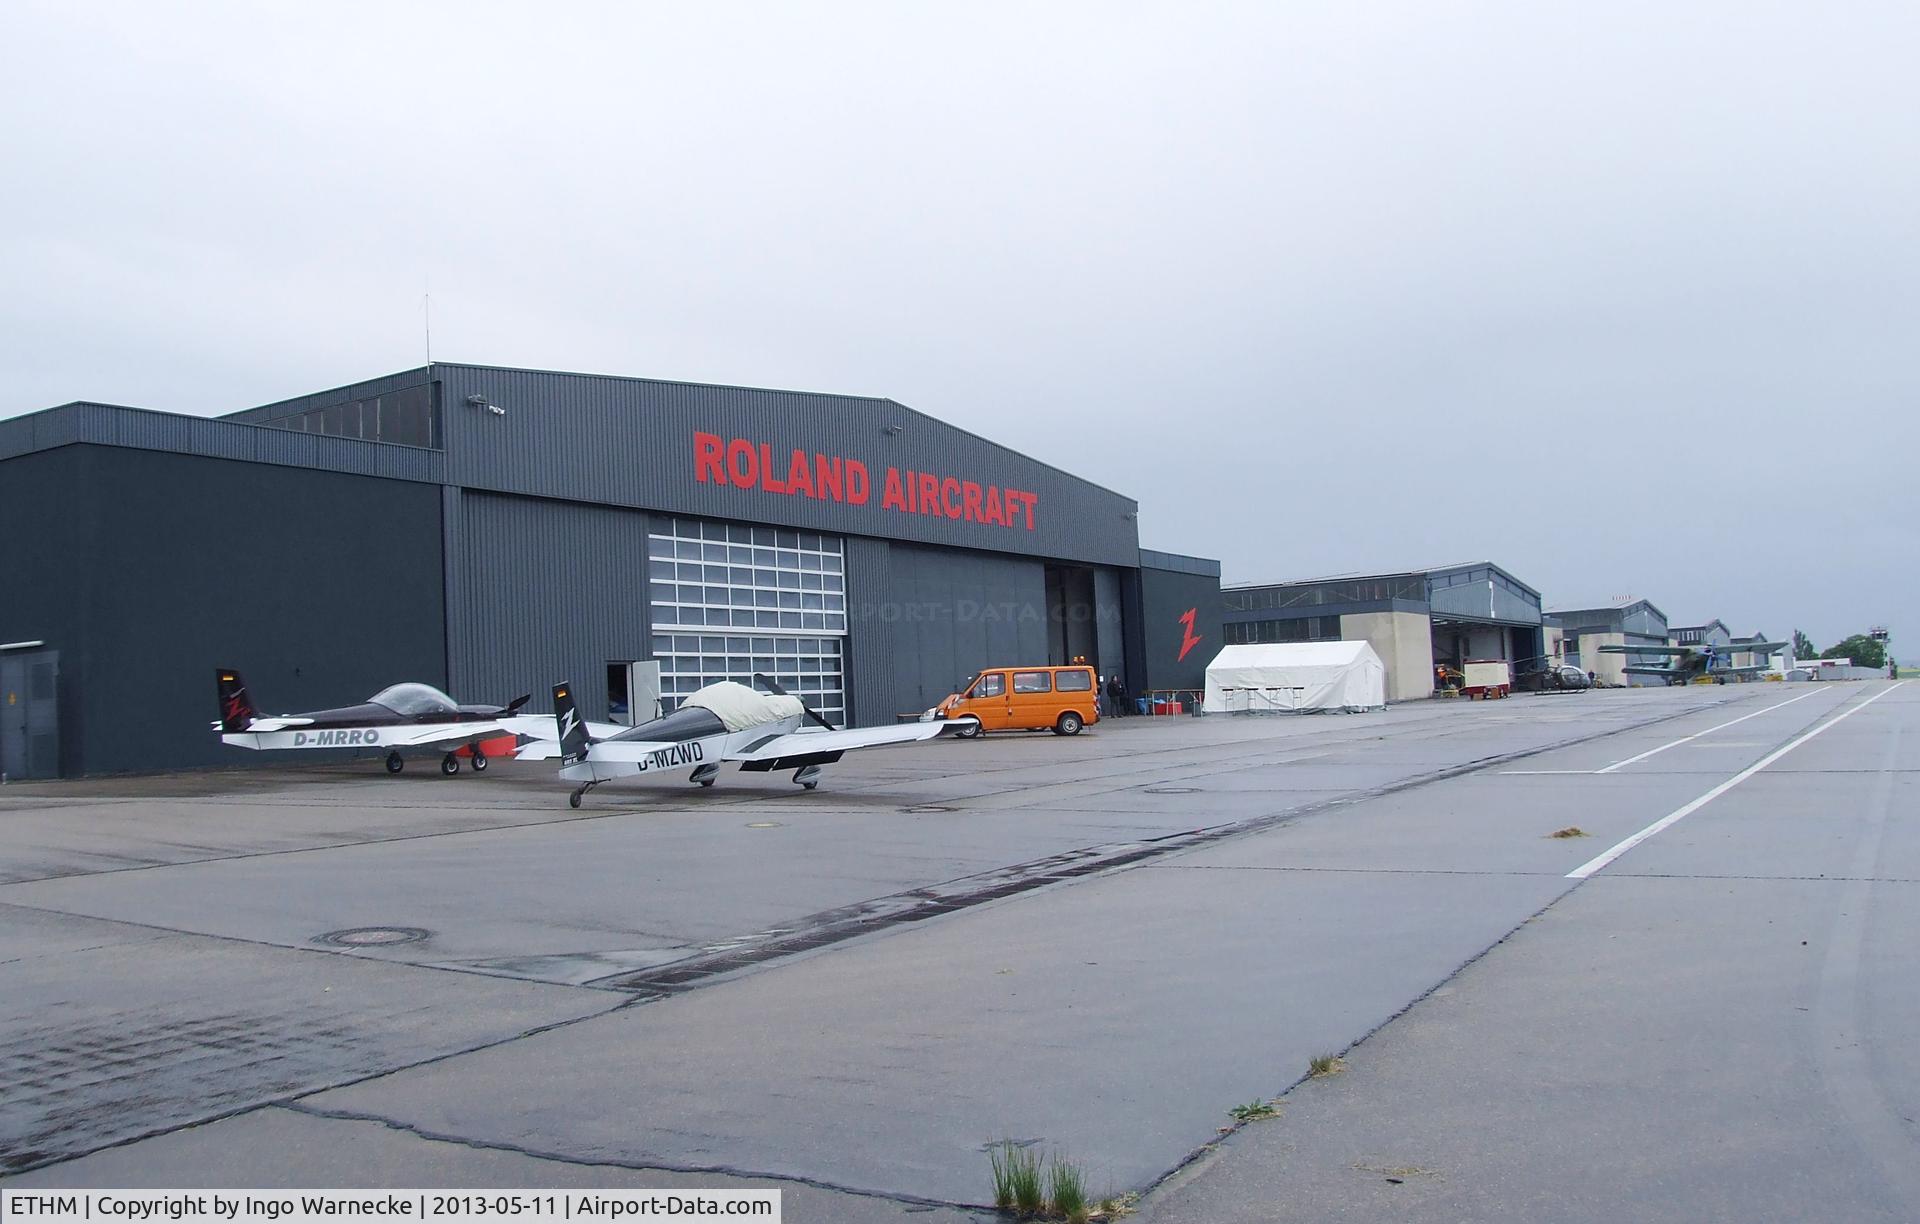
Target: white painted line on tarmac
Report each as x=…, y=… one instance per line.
x=1662, y=748
x=1697, y=734
x=1607, y=856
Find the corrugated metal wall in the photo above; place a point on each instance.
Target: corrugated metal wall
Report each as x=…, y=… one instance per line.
x=870, y=637
x=137, y=567
x=927, y=617
x=547, y=591
x=629, y=442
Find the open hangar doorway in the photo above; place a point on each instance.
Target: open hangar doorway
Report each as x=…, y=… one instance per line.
x=1456, y=640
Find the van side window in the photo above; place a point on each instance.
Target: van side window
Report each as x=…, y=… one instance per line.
x=991, y=685
x=1032, y=682
x=1073, y=681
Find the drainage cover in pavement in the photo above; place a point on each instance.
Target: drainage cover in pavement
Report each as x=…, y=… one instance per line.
x=1173, y=790
x=373, y=937
x=764, y=824
x=929, y=807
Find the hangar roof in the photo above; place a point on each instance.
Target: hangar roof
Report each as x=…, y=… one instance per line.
x=735, y=453
x=738, y=453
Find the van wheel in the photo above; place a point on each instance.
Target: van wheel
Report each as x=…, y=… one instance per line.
x=1069, y=724
x=972, y=730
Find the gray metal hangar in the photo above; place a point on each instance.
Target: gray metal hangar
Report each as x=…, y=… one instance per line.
x=493, y=531
x=1413, y=619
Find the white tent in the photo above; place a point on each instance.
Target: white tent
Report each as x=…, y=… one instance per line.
x=1296, y=676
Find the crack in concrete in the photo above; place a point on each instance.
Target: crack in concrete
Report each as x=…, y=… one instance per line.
x=718, y=1170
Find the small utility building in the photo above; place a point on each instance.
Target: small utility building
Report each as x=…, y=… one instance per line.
x=1413, y=619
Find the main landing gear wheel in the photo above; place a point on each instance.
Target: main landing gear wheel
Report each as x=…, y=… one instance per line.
x=705, y=774
x=1069, y=724
x=807, y=776
x=395, y=762
x=479, y=761
x=573, y=800
x=449, y=764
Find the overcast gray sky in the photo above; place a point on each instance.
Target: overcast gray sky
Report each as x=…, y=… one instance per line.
x=1328, y=287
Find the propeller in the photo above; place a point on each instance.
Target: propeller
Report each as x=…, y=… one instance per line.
x=516, y=703
x=773, y=686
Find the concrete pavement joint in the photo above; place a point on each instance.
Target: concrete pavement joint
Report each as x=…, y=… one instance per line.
x=288, y=1100
x=315, y=949
x=1204, y=1150
x=485, y=1145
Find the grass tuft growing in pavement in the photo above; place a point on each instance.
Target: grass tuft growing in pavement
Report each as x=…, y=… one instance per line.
x=1570, y=831
x=1067, y=1188
x=1253, y=1110
x=1023, y=1178
x=1322, y=1065
x=1013, y=1168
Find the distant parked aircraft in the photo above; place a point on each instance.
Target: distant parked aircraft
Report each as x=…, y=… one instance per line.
x=1689, y=662
x=401, y=716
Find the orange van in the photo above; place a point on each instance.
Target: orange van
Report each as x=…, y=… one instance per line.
x=1057, y=699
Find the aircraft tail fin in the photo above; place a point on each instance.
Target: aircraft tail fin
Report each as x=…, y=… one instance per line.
x=236, y=708
x=574, y=739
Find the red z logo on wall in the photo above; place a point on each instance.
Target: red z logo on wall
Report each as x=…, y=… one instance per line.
x=1189, y=639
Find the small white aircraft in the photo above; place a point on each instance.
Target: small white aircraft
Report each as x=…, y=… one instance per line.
x=719, y=723
x=396, y=717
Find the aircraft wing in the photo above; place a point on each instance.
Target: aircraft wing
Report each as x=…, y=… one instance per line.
x=437, y=733
x=806, y=743
x=1755, y=647
x=1648, y=669
x=1656, y=650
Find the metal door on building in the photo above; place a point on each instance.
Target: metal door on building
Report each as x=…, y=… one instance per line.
x=29, y=714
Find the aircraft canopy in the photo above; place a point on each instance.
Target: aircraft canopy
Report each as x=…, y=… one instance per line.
x=739, y=707
x=412, y=700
